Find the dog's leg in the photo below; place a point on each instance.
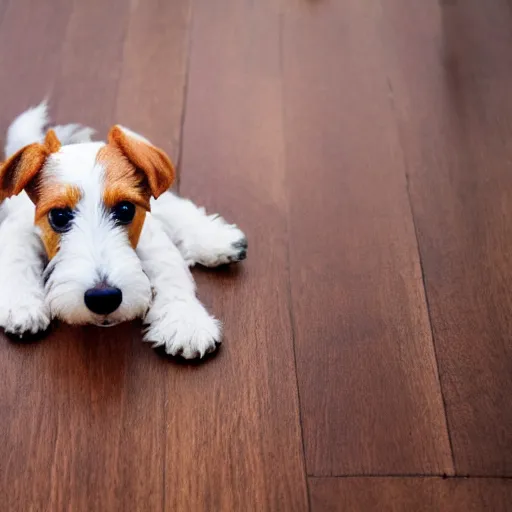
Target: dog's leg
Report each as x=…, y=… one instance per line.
x=176, y=318
x=22, y=303
x=205, y=239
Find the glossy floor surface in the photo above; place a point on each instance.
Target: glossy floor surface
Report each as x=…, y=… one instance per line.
x=366, y=149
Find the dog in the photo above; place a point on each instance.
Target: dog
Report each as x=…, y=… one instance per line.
x=91, y=234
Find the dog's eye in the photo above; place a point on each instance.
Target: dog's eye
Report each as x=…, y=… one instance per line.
x=123, y=212
x=60, y=219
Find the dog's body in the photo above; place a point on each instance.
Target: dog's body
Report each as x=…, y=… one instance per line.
x=89, y=233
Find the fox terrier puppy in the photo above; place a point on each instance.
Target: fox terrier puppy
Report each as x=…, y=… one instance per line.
x=90, y=234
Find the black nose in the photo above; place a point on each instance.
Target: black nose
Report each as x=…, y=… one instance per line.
x=104, y=300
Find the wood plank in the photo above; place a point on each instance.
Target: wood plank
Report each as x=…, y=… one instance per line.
x=407, y=494
x=451, y=77
x=152, y=80
x=28, y=432
x=3, y=8
x=82, y=413
x=31, y=34
x=233, y=435
x=370, y=396
x=80, y=429
x=151, y=92
x=92, y=59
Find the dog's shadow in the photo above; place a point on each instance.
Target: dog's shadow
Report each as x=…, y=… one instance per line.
x=224, y=273
x=91, y=363
x=94, y=363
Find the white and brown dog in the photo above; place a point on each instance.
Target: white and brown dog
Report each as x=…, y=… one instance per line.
x=90, y=234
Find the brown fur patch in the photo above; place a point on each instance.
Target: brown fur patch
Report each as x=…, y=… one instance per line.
x=21, y=172
x=55, y=195
x=135, y=227
x=51, y=142
x=21, y=168
x=50, y=239
x=152, y=161
x=124, y=182
x=134, y=171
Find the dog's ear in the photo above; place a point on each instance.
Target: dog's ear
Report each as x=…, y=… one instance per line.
x=51, y=142
x=19, y=171
x=152, y=161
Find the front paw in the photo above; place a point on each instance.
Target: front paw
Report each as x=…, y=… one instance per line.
x=24, y=318
x=219, y=243
x=185, y=330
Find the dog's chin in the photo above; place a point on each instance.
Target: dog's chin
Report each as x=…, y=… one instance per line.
x=114, y=319
x=106, y=323
x=110, y=320
x=82, y=316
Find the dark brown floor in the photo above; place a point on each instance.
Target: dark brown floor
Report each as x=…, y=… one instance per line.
x=366, y=148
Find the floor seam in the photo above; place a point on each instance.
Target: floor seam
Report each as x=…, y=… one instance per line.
x=411, y=475
x=181, y=143
x=288, y=266
x=422, y=269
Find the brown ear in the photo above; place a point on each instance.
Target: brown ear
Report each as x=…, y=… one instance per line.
x=153, y=162
x=51, y=142
x=18, y=171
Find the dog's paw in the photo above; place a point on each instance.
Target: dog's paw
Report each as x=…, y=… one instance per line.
x=183, y=330
x=218, y=243
x=24, y=319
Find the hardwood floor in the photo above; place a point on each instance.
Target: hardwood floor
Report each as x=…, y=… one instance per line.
x=406, y=494
x=454, y=110
x=365, y=148
x=366, y=365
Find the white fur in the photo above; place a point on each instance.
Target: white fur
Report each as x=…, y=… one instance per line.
x=30, y=126
x=27, y=128
x=73, y=133
x=22, y=300
x=100, y=250
x=155, y=280
x=204, y=239
x=176, y=319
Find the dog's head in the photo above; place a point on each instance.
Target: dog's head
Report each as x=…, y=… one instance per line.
x=91, y=201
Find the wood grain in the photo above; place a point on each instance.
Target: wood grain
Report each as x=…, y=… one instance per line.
x=3, y=7
x=91, y=63
x=451, y=84
x=83, y=412
x=31, y=34
x=233, y=435
x=80, y=431
x=370, y=396
x=28, y=432
x=151, y=91
x=407, y=494
x=365, y=149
